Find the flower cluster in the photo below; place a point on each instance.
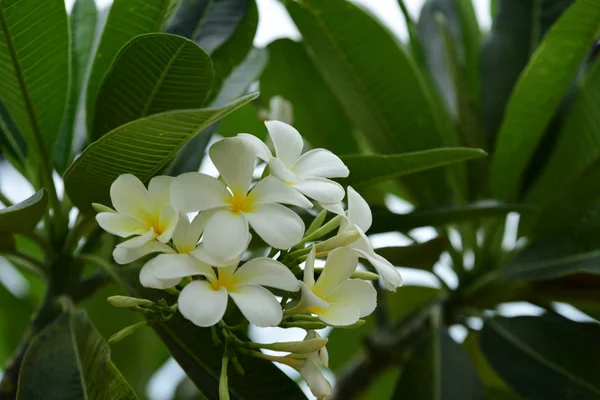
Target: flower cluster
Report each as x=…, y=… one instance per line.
x=205, y=260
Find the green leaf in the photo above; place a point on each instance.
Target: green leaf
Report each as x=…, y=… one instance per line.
x=16, y=312
x=68, y=360
x=576, y=150
x=140, y=147
x=385, y=221
x=557, y=254
x=193, y=348
x=126, y=20
x=83, y=31
x=539, y=92
x=421, y=255
x=402, y=303
x=544, y=357
x=245, y=74
x=244, y=119
x=187, y=17
x=12, y=144
x=345, y=344
x=152, y=73
x=390, y=102
x=24, y=216
x=292, y=75
x=517, y=29
x=439, y=369
x=34, y=66
x=366, y=170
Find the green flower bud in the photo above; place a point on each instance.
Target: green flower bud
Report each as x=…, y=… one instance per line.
x=125, y=301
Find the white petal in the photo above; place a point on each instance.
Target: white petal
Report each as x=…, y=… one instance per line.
x=130, y=197
x=201, y=304
x=279, y=170
x=388, y=273
x=149, y=271
x=158, y=192
x=124, y=255
x=120, y=225
x=319, y=386
x=339, y=315
x=355, y=293
x=320, y=163
x=359, y=212
x=194, y=191
x=178, y=266
x=341, y=263
x=272, y=190
x=287, y=141
x=309, y=268
x=202, y=254
x=139, y=241
x=226, y=234
x=167, y=223
x=277, y=225
x=265, y=271
x=235, y=161
x=320, y=189
x=308, y=300
x=336, y=208
x=258, y=305
x=258, y=146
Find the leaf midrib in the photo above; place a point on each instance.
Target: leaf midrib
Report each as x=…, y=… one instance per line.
x=77, y=357
x=24, y=92
x=508, y=336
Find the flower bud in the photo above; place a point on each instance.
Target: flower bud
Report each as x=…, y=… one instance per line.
x=101, y=208
x=307, y=325
x=341, y=240
x=281, y=110
x=364, y=275
x=301, y=347
x=123, y=333
x=125, y=301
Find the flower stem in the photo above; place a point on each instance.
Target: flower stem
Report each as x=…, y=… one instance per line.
x=224, y=379
x=322, y=231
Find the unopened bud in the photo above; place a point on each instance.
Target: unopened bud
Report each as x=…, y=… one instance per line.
x=304, y=346
x=123, y=333
x=317, y=222
x=125, y=301
x=364, y=275
x=307, y=325
x=357, y=324
x=281, y=110
x=341, y=240
x=101, y=208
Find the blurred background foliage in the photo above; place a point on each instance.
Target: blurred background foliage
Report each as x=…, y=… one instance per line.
x=519, y=226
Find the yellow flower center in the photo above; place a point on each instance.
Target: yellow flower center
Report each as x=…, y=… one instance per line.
x=154, y=223
x=240, y=203
x=223, y=281
x=185, y=249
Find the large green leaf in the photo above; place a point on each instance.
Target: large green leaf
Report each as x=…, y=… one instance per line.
x=556, y=254
x=539, y=92
x=438, y=369
x=577, y=148
x=292, y=75
x=244, y=75
x=194, y=350
x=69, y=360
x=544, y=357
x=12, y=143
x=126, y=20
x=18, y=312
x=83, y=31
x=385, y=221
x=390, y=102
x=419, y=255
x=517, y=29
x=24, y=216
x=140, y=147
x=34, y=69
x=152, y=73
x=369, y=169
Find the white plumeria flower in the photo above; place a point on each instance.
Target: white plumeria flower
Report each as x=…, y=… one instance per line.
x=309, y=367
x=234, y=206
x=308, y=172
x=359, y=219
x=334, y=298
x=204, y=301
x=140, y=212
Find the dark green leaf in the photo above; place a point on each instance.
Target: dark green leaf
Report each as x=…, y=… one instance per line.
x=83, y=31
x=16, y=312
x=68, y=360
x=34, y=66
x=539, y=92
x=420, y=255
x=152, y=73
x=439, y=369
x=517, y=29
x=7, y=244
x=556, y=254
x=220, y=22
x=12, y=144
x=390, y=102
x=292, y=75
x=126, y=20
x=244, y=119
x=385, y=221
x=577, y=148
x=187, y=17
x=195, y=352
x=141, y=147
x=383, y=386
x=544, y=357
x=189, y=158
x=402, y=303
x=246, y=73
x=369, y=169
x=24, y=216
x=345, y=344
